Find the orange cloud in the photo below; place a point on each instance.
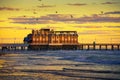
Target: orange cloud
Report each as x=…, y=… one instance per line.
x=9, y=9
x=1, y=20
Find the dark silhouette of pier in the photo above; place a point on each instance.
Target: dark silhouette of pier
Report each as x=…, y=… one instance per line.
x=99, y=46
x=80, y=46
x=14, y=46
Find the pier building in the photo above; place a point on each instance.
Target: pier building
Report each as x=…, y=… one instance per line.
x=50, y=39
x=46, y=39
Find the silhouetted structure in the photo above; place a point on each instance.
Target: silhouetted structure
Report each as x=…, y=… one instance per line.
x=84, y=46
x=49, y=39
x=46, y=39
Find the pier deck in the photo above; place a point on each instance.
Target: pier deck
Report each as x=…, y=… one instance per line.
x=99, y=46
x=14, y=46
x=80, y=46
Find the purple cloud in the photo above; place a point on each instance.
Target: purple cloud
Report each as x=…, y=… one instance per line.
x=31, y=20
x=56, y=18
x=114, y=12
x=9, y=9
x=16, y=27
x=45, y=6
x=110, y=3
x=77, y=4
x=67, y=18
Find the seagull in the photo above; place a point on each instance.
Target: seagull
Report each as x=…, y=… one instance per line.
x=71, y=16
x=101, y=12
x=56, y=12
x=34, y=13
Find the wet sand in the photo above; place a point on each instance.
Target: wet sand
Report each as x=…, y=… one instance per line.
x=50, y=65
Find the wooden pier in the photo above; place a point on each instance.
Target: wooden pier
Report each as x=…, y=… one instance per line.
x=12, y=46
x=80, y=46
x=105, y=46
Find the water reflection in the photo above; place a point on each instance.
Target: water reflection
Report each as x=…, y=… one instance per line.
x=57, y=65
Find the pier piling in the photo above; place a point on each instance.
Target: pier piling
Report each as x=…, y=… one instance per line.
x=59, y=47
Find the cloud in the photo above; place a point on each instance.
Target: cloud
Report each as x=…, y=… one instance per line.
x=9, y=9
x=110, y=3
x=67, y=18
x=114, y=12
x=27, y=28
x=93, y=32
x=1, y=20
x=87, y=26
x=54, y=27
x=64, y=18
x=46, y=6
x=99, y=18
x=52, y=18
x=31, y=20
x=77, y=4
x=113, y=26
x=115, y=35
x=17, y=28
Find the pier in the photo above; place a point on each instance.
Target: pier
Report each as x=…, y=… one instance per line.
x=99, y=46
x=80, y=46
x=14, y=46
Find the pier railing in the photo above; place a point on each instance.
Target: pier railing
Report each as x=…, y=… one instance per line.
x=99, y=46
x=80, y=46
x=14, y=46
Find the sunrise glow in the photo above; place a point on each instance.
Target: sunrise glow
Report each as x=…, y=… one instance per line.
x=94, y=20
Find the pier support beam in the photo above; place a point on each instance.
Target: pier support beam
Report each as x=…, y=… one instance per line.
x=112, y=47
x=106, y=47
x=94, y=47
x=88, y=47
x=100, y=47
x=80, y=47
x=118, y=47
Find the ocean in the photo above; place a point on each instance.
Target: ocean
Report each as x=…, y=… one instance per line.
x=60, y=65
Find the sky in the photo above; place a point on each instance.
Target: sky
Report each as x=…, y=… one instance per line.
x=94, y=20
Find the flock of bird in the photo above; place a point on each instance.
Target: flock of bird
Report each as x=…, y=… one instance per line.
x=71, y=16
x=43, y=5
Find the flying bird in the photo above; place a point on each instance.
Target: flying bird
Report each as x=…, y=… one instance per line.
x=56, y=12
x=34, y=13
x=24, y=16
x=71, y=16
x=101, y=12
x=39, y=0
